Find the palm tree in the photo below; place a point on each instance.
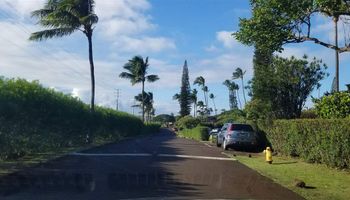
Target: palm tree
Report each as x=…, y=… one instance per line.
x=200, y=81
x=202, y=108
x=194, y=100
x=64, y=17
x=236, y=88
x=212, y=97
x=239, y=74
x=137, y=73
x=232, y=87
x=148, y=102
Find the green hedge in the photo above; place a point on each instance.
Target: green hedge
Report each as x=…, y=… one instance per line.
x=187, y=122
x=198, y=133
x=37, y=119
x=324, y=141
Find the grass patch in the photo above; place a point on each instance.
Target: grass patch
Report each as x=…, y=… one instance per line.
x=329, y=183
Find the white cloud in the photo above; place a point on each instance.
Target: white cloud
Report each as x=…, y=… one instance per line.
x=225, y=37
x=21, y=8
x=211, y=48
x=144, y=44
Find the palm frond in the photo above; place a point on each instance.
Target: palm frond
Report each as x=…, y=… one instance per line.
x=51, y=33
x=126, y=75
x=152, y=78
x=200, y=81
x=89, y=19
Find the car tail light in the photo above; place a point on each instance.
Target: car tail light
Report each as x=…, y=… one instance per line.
x=231, y=127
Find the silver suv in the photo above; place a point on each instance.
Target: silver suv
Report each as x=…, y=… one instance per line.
x=236, y=135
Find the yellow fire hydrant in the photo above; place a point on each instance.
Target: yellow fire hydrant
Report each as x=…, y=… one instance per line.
x=268, y=155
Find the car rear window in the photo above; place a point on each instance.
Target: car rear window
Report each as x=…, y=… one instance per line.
x=241, y=127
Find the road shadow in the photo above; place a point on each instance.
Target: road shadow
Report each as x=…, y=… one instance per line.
x=104, y=177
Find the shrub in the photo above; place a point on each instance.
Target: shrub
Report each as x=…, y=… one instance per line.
x=324, y=141
x=230, y=116
x=187, y=122
x=198, y=133
x=333, y=106
x=308, y=114
x=37, y=119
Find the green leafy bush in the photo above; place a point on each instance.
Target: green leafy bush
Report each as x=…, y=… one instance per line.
x=187, y=122
x=198, y=133
x=309, y=114
x=230, y=116
x=333, y=106
x=37, y=119
x=324, y=141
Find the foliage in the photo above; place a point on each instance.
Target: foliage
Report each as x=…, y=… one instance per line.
x=239, y=74
x=200, y=133
x=200, y=81
x=187, y=122
x=290, y=82
x=64, y=17
x=232, y=88
x=37, y=119
x=185, y=97
x=336, y=105
x=324, y=141
x=308, y=114
x=212, y=97
x=258, y=109
x=230, y=116
x=148, y=101
x=163, y=118
x=275, y=23
x=137, y=72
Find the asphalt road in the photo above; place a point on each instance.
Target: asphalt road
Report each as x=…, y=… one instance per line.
x=160, y=166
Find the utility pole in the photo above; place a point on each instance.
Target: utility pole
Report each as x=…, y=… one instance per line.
x=117, y=102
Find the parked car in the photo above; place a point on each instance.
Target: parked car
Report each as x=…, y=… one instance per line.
x=234, y=135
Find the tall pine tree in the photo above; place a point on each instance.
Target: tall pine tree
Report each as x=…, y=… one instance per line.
x=185, y=93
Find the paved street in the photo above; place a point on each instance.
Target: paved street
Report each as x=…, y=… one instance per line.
x=160, y=166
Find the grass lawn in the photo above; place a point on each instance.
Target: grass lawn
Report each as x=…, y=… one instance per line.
x=328, y=183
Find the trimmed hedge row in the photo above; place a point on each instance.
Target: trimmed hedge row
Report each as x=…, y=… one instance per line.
x=200, y=133
x=37, y=119
x=324, y=141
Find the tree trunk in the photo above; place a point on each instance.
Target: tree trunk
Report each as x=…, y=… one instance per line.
x=336, y=54
x=143, y=101
x=214, y=107
x=92, y=71
x=245, y=101
x=239, y=99
x=194, y=109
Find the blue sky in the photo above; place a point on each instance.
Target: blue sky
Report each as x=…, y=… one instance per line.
x=167, y=31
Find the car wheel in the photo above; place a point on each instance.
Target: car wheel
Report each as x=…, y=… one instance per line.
x=224, y=145
x=217, y=142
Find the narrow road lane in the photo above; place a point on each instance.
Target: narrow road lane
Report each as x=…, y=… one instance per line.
x=160, y=166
